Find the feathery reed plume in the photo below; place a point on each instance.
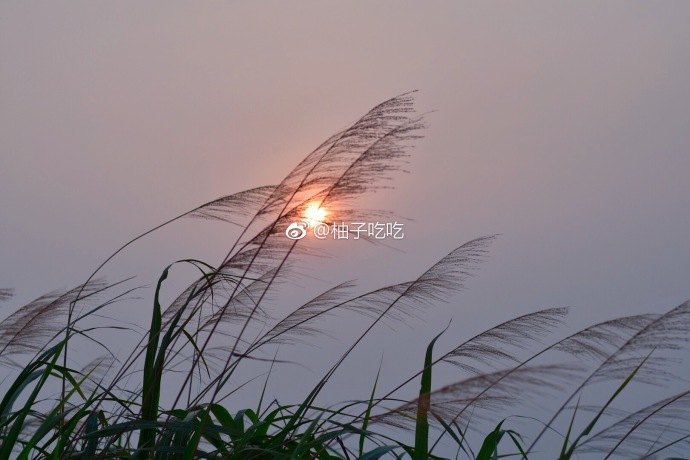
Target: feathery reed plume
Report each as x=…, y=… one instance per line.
x=27, y=329
x=228, y=208
x=297, y=321
x=668, y=332
x=325, y=166
x=499, y=345
x=643, y=431
x=597, y=342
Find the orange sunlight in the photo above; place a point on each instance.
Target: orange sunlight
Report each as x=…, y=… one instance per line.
x=314, y=214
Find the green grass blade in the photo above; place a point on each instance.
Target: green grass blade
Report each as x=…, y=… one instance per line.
x=10, y=440
x=367, y=414
x=517, y=440
x=151, y=386
x=377, y=453
x=421, y=438
x=570, y=430
x=91, y=426
x=55, y=420
x=459, y=440
x=489, y=449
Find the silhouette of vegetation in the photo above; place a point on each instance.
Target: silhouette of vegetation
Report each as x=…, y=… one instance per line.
x=120, y=407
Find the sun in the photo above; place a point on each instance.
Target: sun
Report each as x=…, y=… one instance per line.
x=314, y=214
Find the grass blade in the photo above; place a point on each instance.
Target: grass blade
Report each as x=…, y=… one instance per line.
x=421, y=438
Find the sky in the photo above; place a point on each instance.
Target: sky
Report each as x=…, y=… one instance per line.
x=562, y=127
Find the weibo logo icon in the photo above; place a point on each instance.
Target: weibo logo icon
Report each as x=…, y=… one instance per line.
x=297, y=230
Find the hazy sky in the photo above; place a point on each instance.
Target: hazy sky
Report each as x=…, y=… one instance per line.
x=562, y=127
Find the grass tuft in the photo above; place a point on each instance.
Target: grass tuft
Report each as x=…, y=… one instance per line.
x=175, y=393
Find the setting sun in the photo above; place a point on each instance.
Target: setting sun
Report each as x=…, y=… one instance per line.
x=315, y=214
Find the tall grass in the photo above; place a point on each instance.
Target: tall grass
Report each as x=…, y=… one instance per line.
x=119, y=407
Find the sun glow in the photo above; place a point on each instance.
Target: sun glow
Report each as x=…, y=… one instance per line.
x=314, y=214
